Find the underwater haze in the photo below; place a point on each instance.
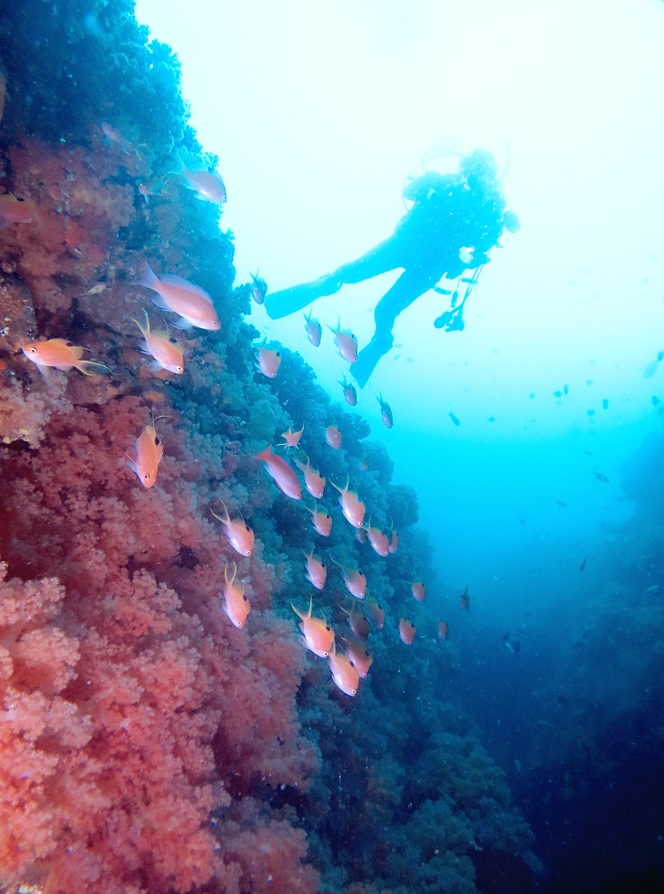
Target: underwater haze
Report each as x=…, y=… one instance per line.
x=331, y=447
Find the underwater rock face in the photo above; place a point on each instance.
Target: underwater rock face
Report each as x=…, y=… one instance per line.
x=149, y=745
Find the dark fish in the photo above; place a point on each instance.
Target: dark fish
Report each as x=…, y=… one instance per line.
x=454, y=419
x=582, y=566
x=566, y=389
x=385, y=412
x=605, y=404
x=650, y=369
x=512, y=644
x=557, y=394
x=601, y=477
x=655, y=400
x=591, y=412
x=587, y=452
x=464, y=601
x=660, y=356
x=560, y=503
x=492, y=418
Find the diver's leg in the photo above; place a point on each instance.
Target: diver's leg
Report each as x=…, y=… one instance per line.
x=405, y=290
x=379, y=260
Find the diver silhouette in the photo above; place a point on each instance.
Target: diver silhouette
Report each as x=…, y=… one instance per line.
x=452, y=225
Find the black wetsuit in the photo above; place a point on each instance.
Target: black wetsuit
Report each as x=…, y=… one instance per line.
x=449, y=212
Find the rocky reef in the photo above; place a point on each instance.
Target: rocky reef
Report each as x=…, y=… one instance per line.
x=148, y=744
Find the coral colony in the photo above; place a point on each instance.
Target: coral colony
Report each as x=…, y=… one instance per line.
x=162, y=728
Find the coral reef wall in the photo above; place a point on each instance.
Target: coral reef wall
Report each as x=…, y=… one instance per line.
x=148, y=744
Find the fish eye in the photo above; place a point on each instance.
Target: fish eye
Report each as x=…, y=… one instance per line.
x=246, y=598
x=146, y=477
x=180, y=369
x=354, y=691
x=325, y=654
x=173, y=340
x=70, y=344
x=328, y=627
x=157, y=441
x=240, y=623
x=33, y=350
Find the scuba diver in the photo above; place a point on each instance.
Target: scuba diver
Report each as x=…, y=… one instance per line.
x=452, y=225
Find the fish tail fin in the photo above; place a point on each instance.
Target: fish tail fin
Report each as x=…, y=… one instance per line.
x=265, y=454
x=89, y=367
x=149, y=278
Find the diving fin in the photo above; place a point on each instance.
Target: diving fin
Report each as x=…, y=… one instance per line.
x=288, y=301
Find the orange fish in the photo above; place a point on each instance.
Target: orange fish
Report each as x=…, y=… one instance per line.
x=237, y=605
x=346, y=343
x=358, y=623
x=333, y=437
x=419, y=591
x=351, y=505
x=360, y=657
x=317, y=633
x=443, y=629
x=207, y=185
x=258, y=288
x=149, y=451
x=376, y=613
x=179, y=296
x=356, y=582
x=464, y=601
x=291, y=438
x=322, y=520
x=240, y=536
x=385, y=412
x=155, y=188
x=167, y=351
x=378, y=540
x=313, y=480
x=268, y=360
x=283, y=475
x=406, y=631
x=313, y=329
x=61, y=354
x=13, y=210
x=365, y=463
x=350, y=392
x=344, y=673
x=316, y=571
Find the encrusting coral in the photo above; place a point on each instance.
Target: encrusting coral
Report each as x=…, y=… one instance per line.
x=146, y=743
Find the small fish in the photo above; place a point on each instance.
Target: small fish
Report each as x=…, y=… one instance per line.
x=653, y=589
x=582, y=566
x=419, y=591
x=660, y=356
x=114, y=135
x=316, y=571
x=358, y=623
x=352, y=507
x=350, y=393
x=322, y=520
x=258, y=287
x=466, y=254
x=385, y=412
x=317, y=633
x=588, y=453
x=650, y=369
x=240, y=536
x=407, y=631
x=149, y=452
x=208, y=186
x=512, y=644
x=14, y=210
x=655, y=400
x=443, y=629
x=464, y=601
x=355, y=581
x=566, y=389
x=379, y=541
x=155, y=188
x=237, y=605
x=557, y=394
x=346, y=343
x=291, y=438
x=365, y=463
x=167, y=351
x=561, y=504
x=360, y=657
x=268, y=360
x=313, y=329
x=605, y=404
x=283, y=475
x=333, y=437
x=375, y=613
x=454, y=419
x=179, y=296
x=313, y=480
x=60, y=354
x=601, y=477
x=344, y=673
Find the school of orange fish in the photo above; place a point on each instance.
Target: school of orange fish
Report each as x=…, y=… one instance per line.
x=194, y=308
